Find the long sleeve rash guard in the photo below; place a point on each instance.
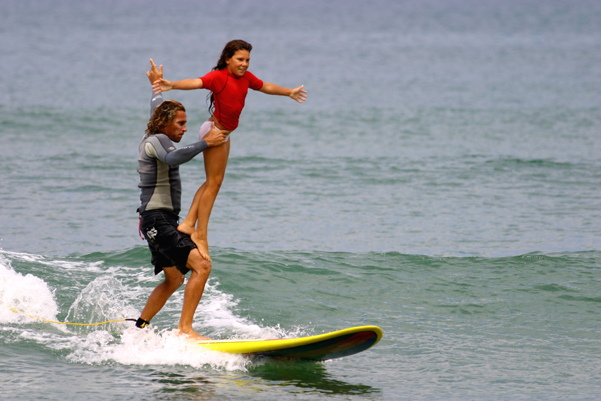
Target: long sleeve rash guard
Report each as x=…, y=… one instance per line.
x=158, y=166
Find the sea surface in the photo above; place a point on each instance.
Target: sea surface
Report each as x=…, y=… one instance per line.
x=442, y=181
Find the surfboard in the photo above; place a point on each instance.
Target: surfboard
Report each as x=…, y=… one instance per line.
x=336, y=344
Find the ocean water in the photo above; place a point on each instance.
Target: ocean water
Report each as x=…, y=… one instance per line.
x=442, y=181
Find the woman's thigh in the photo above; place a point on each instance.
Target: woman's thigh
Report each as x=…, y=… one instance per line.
x=215, y=160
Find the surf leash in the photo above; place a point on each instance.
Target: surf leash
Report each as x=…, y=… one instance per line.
x=68, y=323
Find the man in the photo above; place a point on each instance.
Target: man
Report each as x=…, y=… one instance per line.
x=173, y=252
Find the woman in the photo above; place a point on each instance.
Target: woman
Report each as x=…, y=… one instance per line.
x=229, y=82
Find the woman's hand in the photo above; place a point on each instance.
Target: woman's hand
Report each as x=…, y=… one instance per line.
x=161, y=85
x=299, y=94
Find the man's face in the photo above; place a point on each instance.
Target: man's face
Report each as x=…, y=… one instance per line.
x=177, y=127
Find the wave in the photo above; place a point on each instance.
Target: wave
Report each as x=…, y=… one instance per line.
x=279, y=294
x=102, y=286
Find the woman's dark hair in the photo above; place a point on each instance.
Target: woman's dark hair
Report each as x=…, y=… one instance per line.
x=228, y=52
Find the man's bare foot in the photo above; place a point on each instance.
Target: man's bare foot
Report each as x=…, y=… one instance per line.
x=186, y=228
x=202, y=244
x=192, y=335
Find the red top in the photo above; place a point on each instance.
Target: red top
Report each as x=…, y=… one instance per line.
x=229, y=91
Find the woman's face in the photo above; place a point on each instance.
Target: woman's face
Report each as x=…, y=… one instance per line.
x=238, y=63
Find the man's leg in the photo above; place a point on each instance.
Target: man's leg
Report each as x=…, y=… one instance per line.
x=173, y=280
x=201, y=268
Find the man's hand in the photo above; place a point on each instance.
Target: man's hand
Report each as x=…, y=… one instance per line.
x=154, y=74
x=215, y=137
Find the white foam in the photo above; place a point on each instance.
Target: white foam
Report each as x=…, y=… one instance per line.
x=26, y=293
x=218, y=314
x=151, y=347
x=106, y=298
x=216, y=317
x=103, y=299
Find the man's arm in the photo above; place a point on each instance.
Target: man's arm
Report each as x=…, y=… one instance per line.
x=160, y=147
x=153, y=74
x=155, y=101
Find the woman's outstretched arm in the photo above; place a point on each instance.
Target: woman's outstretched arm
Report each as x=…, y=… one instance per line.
x=163, y=85
x=297, y=94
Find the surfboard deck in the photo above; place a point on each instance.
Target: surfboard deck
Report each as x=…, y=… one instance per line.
x=336, y=344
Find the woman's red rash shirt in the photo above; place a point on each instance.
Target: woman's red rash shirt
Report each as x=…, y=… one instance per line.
x=229, y=91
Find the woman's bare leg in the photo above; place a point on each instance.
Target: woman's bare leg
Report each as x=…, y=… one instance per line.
x=215, y=159
x=188, y=226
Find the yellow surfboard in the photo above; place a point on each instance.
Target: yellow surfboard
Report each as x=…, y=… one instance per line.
x=336, y=344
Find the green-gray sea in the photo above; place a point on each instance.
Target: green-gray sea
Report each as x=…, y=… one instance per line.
x=442, y=181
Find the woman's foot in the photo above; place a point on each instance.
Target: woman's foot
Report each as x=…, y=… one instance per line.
x=186, y=228
x=202, y=245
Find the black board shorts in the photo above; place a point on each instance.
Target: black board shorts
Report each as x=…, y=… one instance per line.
x=168, y=246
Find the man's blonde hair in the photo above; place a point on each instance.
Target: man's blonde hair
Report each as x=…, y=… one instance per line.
x=163, y=115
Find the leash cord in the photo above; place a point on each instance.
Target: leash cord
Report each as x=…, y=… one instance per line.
x=72, y=324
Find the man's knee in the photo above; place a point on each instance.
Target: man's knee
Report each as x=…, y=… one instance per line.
x=173, y=278
x=174, y=284
x=198, y=264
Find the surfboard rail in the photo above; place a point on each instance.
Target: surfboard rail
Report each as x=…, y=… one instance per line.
x=336, y=344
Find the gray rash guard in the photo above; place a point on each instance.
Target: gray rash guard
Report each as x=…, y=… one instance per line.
x=158, y=166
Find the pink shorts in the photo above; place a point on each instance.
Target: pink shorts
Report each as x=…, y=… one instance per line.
x=205, y=128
